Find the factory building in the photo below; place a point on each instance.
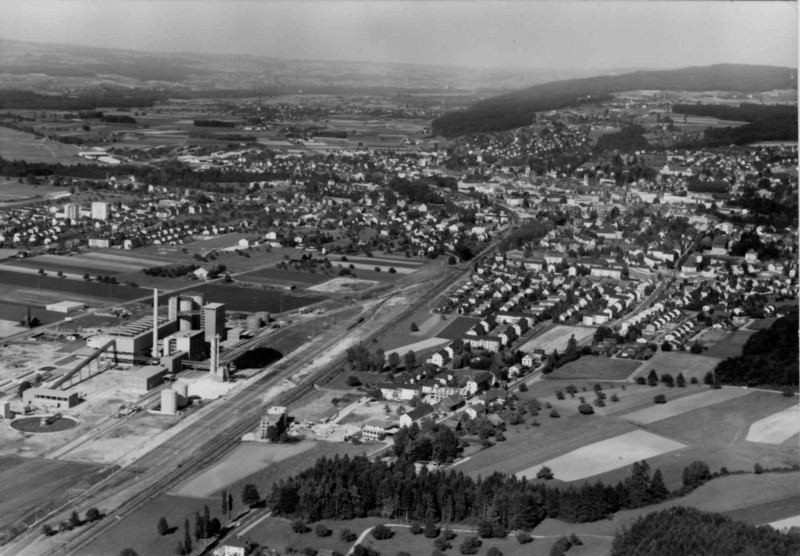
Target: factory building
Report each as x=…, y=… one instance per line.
x=134, y=341
x=212, y=320
x=273, y=424
x=190, y=342
x=186, y=308
x=144, y=379
x=54, y=399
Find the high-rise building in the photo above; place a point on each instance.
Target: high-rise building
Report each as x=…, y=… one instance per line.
x=100, y=210
x=72, y=211
x=212, y=321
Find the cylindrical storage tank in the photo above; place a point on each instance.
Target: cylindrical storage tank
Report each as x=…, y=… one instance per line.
x=186, y=320
x=169, y=401
x=253, y=322
x=182, y=389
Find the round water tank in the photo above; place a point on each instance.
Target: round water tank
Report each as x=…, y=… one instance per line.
x=253, y=322
x=169, y=401
x=182, y=389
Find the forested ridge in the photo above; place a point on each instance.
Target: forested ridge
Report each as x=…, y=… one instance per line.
x=769, y=357
x=518, y=108
x=681, y=530
x=345, y=488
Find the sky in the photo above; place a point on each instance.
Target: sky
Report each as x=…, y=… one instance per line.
x=515, y=34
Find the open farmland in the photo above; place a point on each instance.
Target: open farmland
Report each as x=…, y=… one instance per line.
x=776, y=428
x=705, y=398
x=605, y=455
x=15, y=312
x=675, y=362
x=253, y=299
x=557, y=338
x=246, y=459
x=596, y=368
x=29, y=482
x=59, y=287
x=25, y=146
x=13, y=190
x=286, y=278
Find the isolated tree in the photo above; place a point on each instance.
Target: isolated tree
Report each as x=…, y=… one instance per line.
x=163, y=526
x=695, y=474
x=544, y=473
x=250, y=495
x=757, y=469
x=555, y=414
x=394, y=360
x=410, y=360
x=667, y=379
x=299, y=526
x=346, y=535
x=322, y=531
x=471, y=545
x=652, y=378
x=559, y=395
x=523, y=537
x=585, y=409
x=660, y=398
x=680, y=381
x=92, y=514
x=415, y=528
x=708, y=378
x=47, y=530
x=414, y=327
x=75, y=519
x=187, y=537
x=230, y=503
x=128, y=552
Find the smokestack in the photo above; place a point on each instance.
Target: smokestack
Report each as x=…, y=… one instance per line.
x=155, y=323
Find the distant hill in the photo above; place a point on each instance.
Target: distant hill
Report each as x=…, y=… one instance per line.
x=518, y=108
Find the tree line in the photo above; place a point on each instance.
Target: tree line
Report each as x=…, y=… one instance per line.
x=345, y=488
x=769, y=357
x=681, y=530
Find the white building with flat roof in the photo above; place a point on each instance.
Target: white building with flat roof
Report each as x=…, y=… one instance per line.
x=100, y=210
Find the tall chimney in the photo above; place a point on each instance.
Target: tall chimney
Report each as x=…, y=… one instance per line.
x=155, y=323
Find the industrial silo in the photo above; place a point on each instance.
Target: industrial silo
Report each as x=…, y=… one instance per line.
x=186, y=320
x=253, y=322
x=182, y=389
x=169, y=401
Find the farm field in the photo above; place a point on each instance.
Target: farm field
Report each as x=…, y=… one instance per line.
x=253, y=299
x=716, y=434
x=284, y=277
x=103, y=293
x=606, y=455
x=731, y=346
x=776, y=428
x=246, y=459
x=25, y=146
x=16, y=311
x=557, y=338
x=28, y=482
x=674, y=362
x=596, y=368
x=527, y=445
x=685, y=404
x=417, y=347
x=12, y=191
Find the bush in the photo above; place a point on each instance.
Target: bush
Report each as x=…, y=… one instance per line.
x=448, y=534
x=614, y=398
x=485, y=529
x=524, y=537
x=163, y=526
x=694, y=380
x=494, y=551
x=585, y=409
x=381, y=532
x=471, y=545
x=757, y=469
x=322, y=531
x=47, y=531
x=414, y=327
x=353, y=380
x=680, y=381
x=524, y=387
x=299, y=526
x=641, y=380
x=346, y=535
x=308, y=551
x=415, y=528
x=660, y=398
x=92, y=514
x=554, y=414
x=442, y=544
x=788, y=392
x=431, y=531
x=559, y=395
